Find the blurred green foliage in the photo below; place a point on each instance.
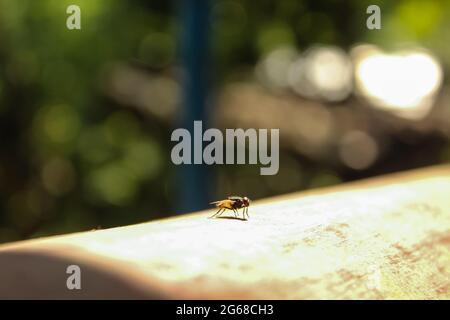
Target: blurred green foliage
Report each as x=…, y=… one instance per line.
x=72, y=159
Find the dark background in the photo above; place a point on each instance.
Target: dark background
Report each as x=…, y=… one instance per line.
x=86, y=115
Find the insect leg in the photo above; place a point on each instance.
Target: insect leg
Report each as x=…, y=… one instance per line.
x=243, y=212
x=218, y=212
x=235, y=213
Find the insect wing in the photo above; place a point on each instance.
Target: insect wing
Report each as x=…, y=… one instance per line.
x=235, y=198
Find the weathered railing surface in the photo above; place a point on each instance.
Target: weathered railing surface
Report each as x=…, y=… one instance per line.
x=383, y=238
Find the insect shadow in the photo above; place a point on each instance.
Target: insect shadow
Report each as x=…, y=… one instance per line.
x=229, y=217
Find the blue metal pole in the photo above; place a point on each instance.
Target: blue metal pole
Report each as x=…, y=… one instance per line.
x=193, y=180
